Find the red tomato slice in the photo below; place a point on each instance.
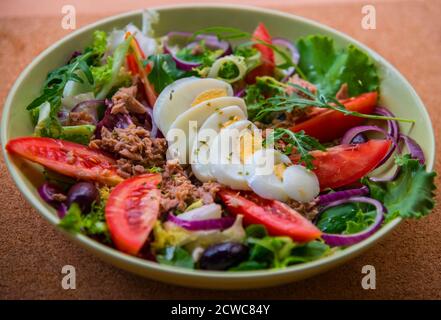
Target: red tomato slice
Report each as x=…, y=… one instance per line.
x=330, y=124
x=345, y=164
x=277, y=217
x=267, y=54
x=131, y=211
x=68, y=158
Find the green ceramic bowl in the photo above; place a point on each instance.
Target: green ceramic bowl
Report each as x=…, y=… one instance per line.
x=396, y=93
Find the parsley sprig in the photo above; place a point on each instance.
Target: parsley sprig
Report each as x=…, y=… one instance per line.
x=298, y=141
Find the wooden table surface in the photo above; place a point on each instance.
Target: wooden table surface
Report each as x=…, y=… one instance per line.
x=407, y=262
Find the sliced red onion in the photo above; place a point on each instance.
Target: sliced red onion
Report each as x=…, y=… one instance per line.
x=325, y=199
x=209, y=224
x=211, y=41
x=415, y=151
x=393, y=128
x=295, y=56
x=414, y=148
x=90, y=107
x=349, y=136
x=240, y=93
x=335, y=240
x=154, y=131
x=47, y=191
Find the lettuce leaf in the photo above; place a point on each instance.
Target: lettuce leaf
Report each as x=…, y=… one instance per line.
x=277, y=252
x=410, y=195
x=328, y=68
x=164, y=71
x=176, y=256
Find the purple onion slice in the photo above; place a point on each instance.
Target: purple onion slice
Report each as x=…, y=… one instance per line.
x=211, y=41
x=295, y=56
x=209, y=224
x=335, y=240
x=325, y=199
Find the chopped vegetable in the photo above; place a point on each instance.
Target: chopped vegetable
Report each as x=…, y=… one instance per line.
x=329, y=68
x=410, y=195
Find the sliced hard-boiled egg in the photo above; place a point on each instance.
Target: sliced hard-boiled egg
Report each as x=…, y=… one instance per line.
x=266, y=174
x=226, y=162
x=209, y=94
x=183, y=130
x=300, y=183
x=179, y=96
x=200, y=151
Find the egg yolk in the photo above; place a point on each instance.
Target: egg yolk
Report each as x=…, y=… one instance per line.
x=209, y=94
x=279, y=169
x=249, y=144
x=230, y=121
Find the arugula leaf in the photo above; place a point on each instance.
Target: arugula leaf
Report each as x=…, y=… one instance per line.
x=176, y=256
x=410, y=195
x=56, y=80
x=164, y=71
x=329, y=68
x=299, y=141
x=301, y=98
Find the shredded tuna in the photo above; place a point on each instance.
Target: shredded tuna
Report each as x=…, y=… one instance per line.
x=79, y=118
x=309, y=210
x=124, y=101
x=178, y=191
x=134, y=147
x=295, y=79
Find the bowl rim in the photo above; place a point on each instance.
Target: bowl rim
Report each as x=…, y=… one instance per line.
x=333, y=259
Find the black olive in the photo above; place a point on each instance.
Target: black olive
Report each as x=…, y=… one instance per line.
x=223, y=256
x=83, y=193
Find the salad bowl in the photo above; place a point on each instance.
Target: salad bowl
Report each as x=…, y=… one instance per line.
x=396, y=93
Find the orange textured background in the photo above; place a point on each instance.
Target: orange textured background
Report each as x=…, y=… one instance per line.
x=408, y=262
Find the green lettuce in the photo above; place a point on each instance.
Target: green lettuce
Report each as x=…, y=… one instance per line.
x=410, y=195
x=328, y=68
x=277, y=252
x=176, y=256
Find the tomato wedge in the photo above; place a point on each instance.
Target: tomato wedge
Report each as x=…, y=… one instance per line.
x=345, y=164
x=329, y=125
x=267, y=54
x=277, y=217
x=68, y=158
x=131, y=211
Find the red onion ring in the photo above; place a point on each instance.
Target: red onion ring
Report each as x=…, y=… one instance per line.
x=414, y=148
x=325, y=199
x=393, y=128
x=211, y=42
x=350, y=239
x=295, y=56
x=209, y=224
x=240, y=93
x=154, y=131
x=353, y=132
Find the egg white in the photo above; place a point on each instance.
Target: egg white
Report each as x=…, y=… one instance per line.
x=200, y=152
x=177, y=98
